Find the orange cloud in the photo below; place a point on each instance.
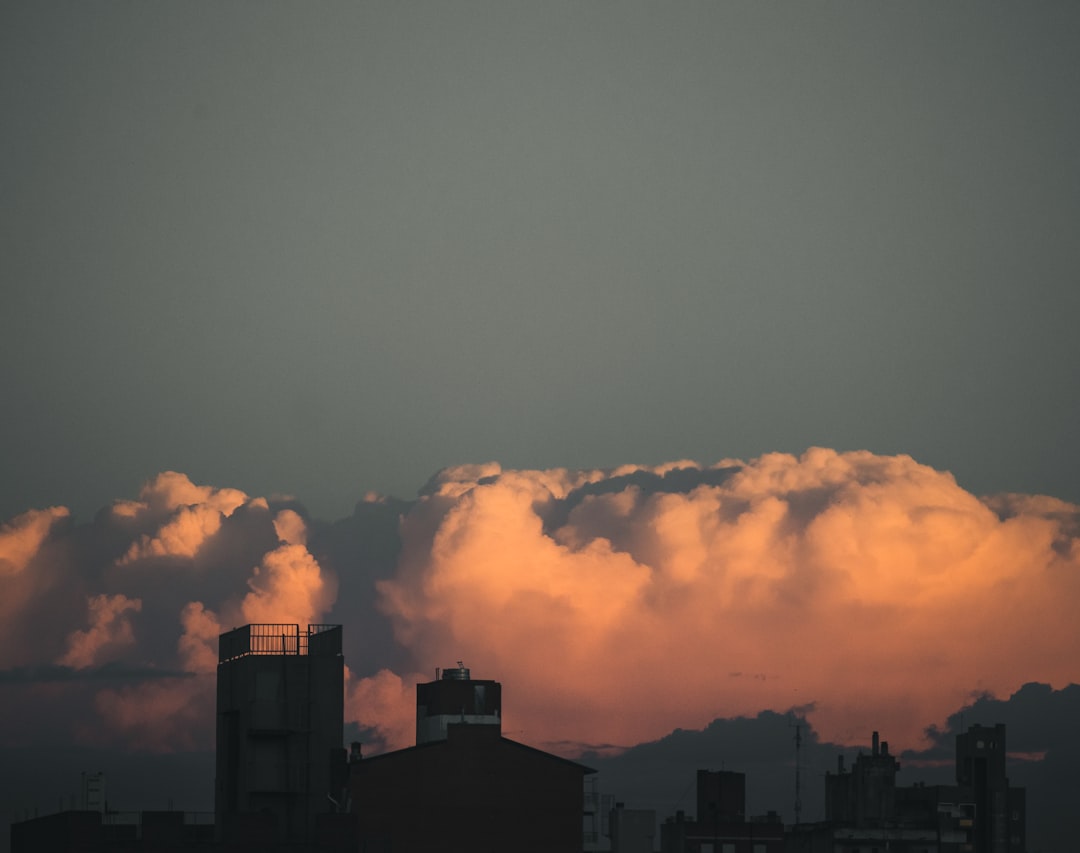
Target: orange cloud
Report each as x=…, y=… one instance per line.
x=29, y=574
x=187, y=515
x=171, y=490
x=290, y=527
x=871, y=586
x=613, y=605
x=170, y=715
x=385, y=702
x=288, y=586
x=108, y=630
x=197, y=645
x=21, y=537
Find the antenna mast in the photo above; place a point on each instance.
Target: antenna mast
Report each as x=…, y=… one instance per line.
x=798, y=774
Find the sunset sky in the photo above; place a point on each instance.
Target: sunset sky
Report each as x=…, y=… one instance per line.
x=720, y=352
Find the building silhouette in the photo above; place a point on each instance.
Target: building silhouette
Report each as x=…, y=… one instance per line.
x=632, y=830
x=721, y=825
x=866, y=810
x=456, y=697
x=465, y=787
x=1000, y=811
x=279, y=759
x=283, y=783
x=866, y=796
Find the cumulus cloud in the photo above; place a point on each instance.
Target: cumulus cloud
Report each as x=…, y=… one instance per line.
x=29, y=579
x=384, y=706
x=21, y=537
x=187, y=515
x=76, y=597
x=109, y=630
x=287, y=587
x=290, y=527
x=614, y=605
x=171, y=490
x=621, y=605
x=197, y=645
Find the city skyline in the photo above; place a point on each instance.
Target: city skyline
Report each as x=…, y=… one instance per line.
x=620, y=608
x=720, y=353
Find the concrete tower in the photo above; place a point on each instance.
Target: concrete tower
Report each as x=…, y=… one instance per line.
x=280, y=693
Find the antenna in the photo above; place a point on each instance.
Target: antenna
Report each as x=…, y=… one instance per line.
x=798, y=772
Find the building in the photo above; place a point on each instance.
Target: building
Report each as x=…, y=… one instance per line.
x=721, y=825
x=455, y=698
x=866, y=810
x=463, y=786
x=999, y=813
x=632, y=830
x=866, y=796
x=599, y=808
x=280, y=764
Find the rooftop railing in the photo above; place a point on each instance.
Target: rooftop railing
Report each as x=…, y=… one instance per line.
x=272, y=638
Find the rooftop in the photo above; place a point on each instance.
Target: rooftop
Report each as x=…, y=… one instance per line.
x=274, y=638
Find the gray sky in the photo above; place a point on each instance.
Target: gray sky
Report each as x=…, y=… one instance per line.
x=326, y=248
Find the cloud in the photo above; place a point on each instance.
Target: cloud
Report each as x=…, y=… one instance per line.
x=171, y=490
x=108, y=630
x=76, y=596
x=186, y=516
x=384, y=706
x=614, y=605
x=872, y=587
x=21, y=537
x=290, y=527
x=197, y=646
x=32, y=593
x=50, y=673
x=170, y=715
x=288, y=586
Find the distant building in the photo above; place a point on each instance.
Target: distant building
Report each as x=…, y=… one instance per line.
x=721, y=825
x=865, y=810
x=1000, y=817
x=867, y=795
x=464, y=787
x=632, y=830
x=280, y=764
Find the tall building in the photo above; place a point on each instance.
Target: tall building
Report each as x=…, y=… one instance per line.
x=999, y=809
x=280, y=695
x=866, y=796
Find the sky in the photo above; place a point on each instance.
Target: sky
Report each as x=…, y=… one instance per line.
x=729, y=343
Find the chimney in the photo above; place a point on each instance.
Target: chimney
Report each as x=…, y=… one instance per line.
x=354, y=752
x=874, y=749
x=884, y=747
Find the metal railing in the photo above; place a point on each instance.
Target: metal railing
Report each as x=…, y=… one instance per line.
x=273, y=638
